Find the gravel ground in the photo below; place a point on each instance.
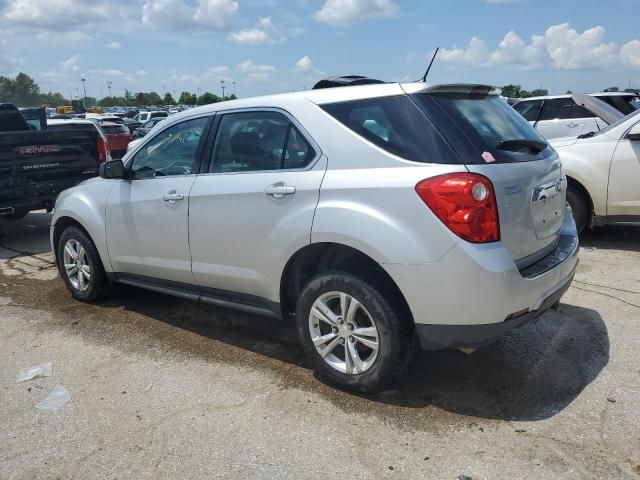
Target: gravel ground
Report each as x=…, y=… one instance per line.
x=164, y=388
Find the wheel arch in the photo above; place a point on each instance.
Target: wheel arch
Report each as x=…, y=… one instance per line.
x=318, y=257
x=61, y=224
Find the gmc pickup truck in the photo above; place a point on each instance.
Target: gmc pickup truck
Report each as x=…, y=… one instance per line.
x=36, y=165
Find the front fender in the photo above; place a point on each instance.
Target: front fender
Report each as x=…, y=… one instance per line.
x=86, y=204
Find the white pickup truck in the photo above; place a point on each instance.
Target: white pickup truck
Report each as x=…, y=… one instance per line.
x=603, y=170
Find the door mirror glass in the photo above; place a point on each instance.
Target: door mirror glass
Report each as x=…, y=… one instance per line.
x=112, y=169
x=634, y=133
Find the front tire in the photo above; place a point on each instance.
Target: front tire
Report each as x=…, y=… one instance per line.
x=579, y=208
x=80, y=266
x=352, y=334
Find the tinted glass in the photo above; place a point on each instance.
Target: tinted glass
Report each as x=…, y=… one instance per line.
x=485, y=122
x=171, y=152
x=396, y=125
x=563, y=109
x=623, y=103
x=530, y=110
x=258, y=141
x=298, y=153
x=112, y=129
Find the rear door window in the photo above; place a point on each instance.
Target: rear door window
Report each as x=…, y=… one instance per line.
x=396, y=125
x=563, y=109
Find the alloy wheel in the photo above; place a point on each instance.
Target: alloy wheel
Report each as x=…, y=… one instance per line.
x=76, y=265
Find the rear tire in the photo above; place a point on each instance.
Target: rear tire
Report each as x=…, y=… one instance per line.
x=81, y=267
x=579, y=207
x=364, y=349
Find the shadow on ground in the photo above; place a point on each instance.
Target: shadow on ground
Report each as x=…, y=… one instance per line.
x=530, y=374
x=612, y=238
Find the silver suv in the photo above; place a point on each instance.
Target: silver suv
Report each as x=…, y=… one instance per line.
x=372, y=215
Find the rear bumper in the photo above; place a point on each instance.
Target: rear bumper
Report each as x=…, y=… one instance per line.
x=467, y=298
x=438, y=337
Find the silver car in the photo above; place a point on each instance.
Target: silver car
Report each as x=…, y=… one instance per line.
x=373, y=215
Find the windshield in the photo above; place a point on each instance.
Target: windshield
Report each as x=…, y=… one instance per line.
x=615, y=124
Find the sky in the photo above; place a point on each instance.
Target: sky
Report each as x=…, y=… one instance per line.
x=270, y=46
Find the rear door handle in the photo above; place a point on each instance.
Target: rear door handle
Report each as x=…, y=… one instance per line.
x=172, y=197
x=279, y=190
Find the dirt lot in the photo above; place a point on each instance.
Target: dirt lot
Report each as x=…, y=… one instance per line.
x=164, y=388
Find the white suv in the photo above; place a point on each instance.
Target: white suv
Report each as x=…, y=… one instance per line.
x=373, y=215
x=561, y=116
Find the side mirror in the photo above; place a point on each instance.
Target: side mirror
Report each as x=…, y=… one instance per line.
x=113, y=169
x=634, y=133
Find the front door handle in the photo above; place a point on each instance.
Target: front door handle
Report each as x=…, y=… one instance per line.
x=279, y=190
x=172, y=197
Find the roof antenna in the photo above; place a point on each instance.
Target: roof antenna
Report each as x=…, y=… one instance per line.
x=424, y=78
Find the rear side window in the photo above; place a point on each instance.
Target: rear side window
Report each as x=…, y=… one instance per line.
x=530, y=110
x=396, y=125
x=484, y=127
x=563, y=109
x=623, y=103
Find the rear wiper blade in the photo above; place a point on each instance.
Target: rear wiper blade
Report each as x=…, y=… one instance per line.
x=534, y=145
x=587, y=135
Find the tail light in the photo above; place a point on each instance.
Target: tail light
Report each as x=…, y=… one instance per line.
x=465, y=203
x=103, y=149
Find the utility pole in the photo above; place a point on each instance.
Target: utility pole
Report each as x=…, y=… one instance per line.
x=234, y=88
x=222, y=85
x=84, y=87
x=109, y=83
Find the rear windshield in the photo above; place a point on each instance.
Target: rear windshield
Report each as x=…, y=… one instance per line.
x=494, y=132
x=623, y=103
x=396, y=125
x=111, y=129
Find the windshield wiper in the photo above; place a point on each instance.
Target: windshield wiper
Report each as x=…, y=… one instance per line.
x=587, y=135
x=535, y=146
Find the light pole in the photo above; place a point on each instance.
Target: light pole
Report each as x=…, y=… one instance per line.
x=222, y=85
x=109, y=83
x=84, y=87
x=234, y=88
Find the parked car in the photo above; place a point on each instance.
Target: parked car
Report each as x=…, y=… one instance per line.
x=146, y=127
x=371, y=214
x=118, y=136
x=132, y=124
x=144, y=116
x=36, y=165
x=603, y=169
x=560, y=116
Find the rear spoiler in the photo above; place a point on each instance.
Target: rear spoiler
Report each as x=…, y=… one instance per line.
x=470, y=88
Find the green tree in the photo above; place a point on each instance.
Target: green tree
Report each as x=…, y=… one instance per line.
x=539, y=92
x=187, y=98
x=168, y=99
x=612, y=89
x=207, y=98
x=511, y=91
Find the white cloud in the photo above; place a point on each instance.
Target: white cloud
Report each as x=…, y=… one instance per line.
x=70, y=64
x=176, y=14
x=10, y=64
x=476, y=52
x=256, y=71
x=346, y=12
x=263, y=33
x=217, y=14
x=630, y=54
x=304, y=64
x=56, y=14
x=63, y=38
x=250, y=36
x=114, y=45
x=561, y=47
